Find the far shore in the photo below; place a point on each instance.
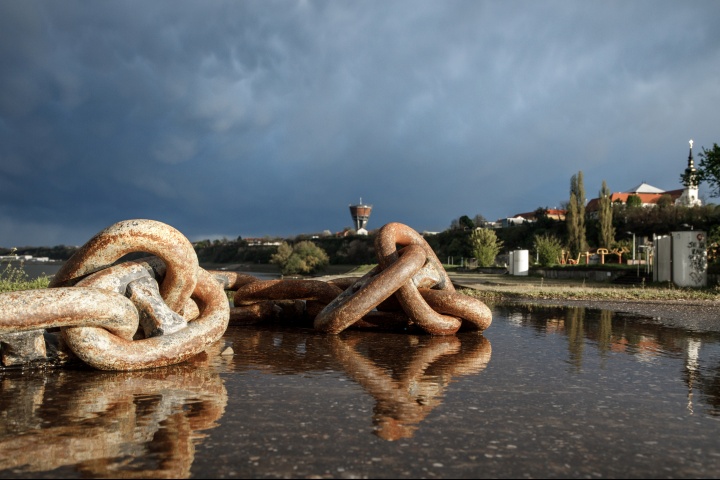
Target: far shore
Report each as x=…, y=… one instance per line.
x=695, y=309
x=270, y=269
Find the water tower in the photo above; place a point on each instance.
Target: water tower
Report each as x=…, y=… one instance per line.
x=360, y=215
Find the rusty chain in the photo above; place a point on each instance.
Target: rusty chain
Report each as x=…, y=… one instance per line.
x=118, y=314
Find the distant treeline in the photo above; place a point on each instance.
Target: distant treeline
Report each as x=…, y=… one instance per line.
x=453, y=242
x=59, y=252
x=355, y=250
x=351, y=250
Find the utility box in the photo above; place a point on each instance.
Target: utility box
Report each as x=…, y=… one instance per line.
x=519, y=262
x=681, y=258
x=662, y=268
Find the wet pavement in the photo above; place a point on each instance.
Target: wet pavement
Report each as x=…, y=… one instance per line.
x=546, y=392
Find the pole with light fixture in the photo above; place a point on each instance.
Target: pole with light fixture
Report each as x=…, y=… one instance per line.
x=633, y=249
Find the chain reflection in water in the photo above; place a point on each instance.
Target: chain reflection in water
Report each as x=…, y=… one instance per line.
x=407, y=375
x=422, y=369
x=143, y=423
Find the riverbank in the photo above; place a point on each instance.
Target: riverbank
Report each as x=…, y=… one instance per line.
x=692, y=309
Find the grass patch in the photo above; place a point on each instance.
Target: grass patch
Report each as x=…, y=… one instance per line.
x=537, y=292
x=13, y=278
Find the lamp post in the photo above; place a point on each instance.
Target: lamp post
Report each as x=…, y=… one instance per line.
x=646, y=250
x=633, y=245
x=633, y=249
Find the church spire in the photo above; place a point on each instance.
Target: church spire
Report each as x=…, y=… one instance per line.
x=690, y=172
x=690, y=180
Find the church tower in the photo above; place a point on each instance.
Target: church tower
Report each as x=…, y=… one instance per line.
x=689, y=197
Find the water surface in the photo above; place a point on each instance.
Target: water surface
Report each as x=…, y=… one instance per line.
x=545, y=392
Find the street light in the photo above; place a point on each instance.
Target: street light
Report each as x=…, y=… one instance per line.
x=646, y=249
x=633, y=247
x=633, y=252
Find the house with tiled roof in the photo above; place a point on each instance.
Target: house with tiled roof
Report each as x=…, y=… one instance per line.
x=520, y=218
x=650, y=195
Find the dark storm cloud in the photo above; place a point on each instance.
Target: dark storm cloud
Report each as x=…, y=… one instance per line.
x=270, y=117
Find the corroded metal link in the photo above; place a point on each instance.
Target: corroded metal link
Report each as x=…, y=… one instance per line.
x=105, y=351
x=285, y=290
x=232, y=280
x=138, y=235
x=295, y=301
x=393, y=234
x=156, y=318
x=387, y=321
x=117, y=277
x=343, y=283
x=99, y=303
x=271, y=311
x=374, y=287
x=68, y=306
x=473, y=313
x=255, y=313
x=423, y=315
x=137, y=281
x=191, y=310
x=413, y=304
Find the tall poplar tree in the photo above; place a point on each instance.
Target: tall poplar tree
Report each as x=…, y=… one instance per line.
x=575, y=218
x=605, y=213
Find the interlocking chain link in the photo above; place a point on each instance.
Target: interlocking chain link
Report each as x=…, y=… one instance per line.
x=408, y=289
x=117, y=314
x=141, y=314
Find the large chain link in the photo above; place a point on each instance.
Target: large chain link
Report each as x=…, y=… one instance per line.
x=154, y=312
x=117, y=314
x=408, y=289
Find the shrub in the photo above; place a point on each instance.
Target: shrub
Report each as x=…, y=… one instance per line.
x=548, y=248
x=303, y=258
x=485, y=246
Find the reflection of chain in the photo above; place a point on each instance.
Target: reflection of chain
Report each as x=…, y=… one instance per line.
x=407, y=396
x=163, y=309
x=110, y=421
x=406, y=375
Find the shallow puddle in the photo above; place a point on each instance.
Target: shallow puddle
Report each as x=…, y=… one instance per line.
x=546, y=392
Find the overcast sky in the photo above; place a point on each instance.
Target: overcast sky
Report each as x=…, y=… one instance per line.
x=253, y=118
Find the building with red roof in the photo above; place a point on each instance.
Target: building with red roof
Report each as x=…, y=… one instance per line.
x=650, y=196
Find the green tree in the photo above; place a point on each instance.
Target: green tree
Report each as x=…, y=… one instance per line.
x=575, y=217
x=665, y=202
x=548, y=248
x=708, y=171
x=479, y=220
x=485, y=246
x=304, y=257
x=605, y=214
x=634, y=201
x=466, y=222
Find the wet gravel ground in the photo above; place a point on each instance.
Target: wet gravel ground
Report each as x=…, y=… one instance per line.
x=694, y=316
x=542, y=394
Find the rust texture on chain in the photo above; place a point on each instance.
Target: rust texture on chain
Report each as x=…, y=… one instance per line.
x=113, y=313
x=408, y=290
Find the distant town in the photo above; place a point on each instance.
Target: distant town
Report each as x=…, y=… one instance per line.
x=642, y=194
